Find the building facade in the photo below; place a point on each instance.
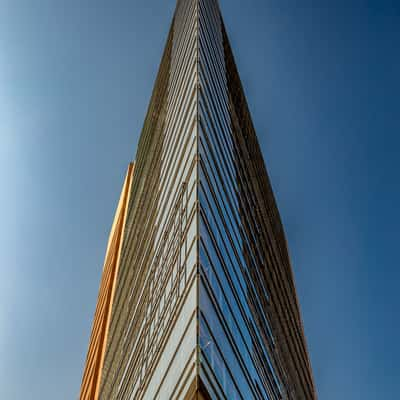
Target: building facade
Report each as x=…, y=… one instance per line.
x=203, y=302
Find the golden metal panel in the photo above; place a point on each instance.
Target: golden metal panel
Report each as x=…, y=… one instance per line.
x=98, y=339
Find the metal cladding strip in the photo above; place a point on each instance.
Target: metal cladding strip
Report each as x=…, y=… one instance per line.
x=98, y=339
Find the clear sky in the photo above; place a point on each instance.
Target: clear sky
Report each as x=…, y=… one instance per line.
x=322, y=82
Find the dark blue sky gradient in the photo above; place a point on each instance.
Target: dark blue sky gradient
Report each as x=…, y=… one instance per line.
x=322, y=82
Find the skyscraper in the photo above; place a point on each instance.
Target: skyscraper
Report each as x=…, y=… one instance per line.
x=197, y=299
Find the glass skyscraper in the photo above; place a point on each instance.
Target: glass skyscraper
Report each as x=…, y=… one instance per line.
x=197, y=299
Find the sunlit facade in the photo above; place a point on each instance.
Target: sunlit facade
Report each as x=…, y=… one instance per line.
x=205, y=304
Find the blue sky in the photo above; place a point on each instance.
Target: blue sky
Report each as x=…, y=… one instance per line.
x=322, y=82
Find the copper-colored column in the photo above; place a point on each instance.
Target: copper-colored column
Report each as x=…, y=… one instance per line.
x=98, y=339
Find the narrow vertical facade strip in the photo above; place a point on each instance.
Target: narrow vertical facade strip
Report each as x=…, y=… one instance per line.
x=98, y=339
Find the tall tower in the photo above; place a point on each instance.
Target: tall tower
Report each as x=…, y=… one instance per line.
x=201, y=300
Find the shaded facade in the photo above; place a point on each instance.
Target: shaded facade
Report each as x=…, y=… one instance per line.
x=205, y=304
